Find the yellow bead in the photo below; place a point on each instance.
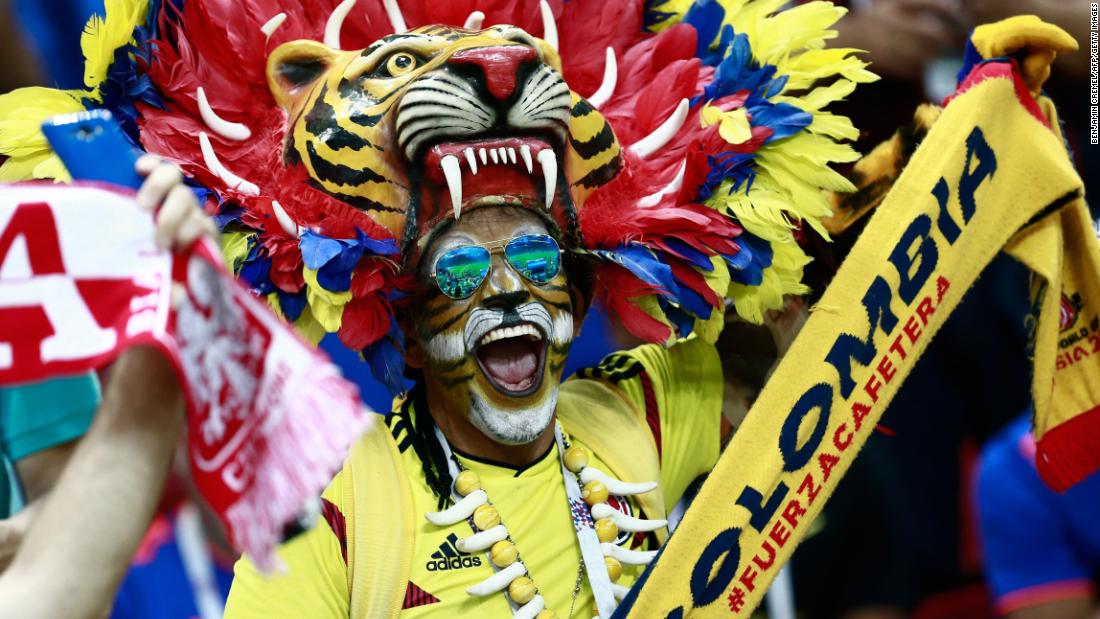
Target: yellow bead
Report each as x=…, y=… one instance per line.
x=576, y=458
x=614, y=568
x=606, y=529
x=546, y=614
x=503, y=553
x=594, y=492
x=522, y=590
x=486, y=517
x=467, y=482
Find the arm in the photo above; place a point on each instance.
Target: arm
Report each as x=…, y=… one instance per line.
x=80, y=543
x=39, y=424
x=37, y=473
x=113, y=481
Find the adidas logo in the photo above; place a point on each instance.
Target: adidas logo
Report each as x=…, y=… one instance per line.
x=449, y=557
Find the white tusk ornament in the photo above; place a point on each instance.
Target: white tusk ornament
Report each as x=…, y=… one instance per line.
x=628, y=557
x=219, y=125
x=393, y=11
x=284, y=219
x=336, y=22
x=614, y=486
x=655, y=141
x=549, y=27
x=624, y=522
x=531, y=609
x=460, y=510
x=610, y=80
x=482, y=539
x=498, y=581
x=473, y=22
x=271, y=25
x=673, y=187
x=210, y=158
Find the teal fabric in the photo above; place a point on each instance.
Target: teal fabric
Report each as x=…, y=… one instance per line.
x=38, y=416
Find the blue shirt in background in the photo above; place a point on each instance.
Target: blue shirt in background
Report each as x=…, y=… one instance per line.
x=1039, y=546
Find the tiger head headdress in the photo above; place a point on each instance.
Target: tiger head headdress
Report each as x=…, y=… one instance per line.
x=680, y=146
x=422, y=124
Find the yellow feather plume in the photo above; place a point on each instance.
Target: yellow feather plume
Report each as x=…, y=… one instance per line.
x=103, y=35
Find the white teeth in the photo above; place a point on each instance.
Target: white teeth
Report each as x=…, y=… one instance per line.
x=502, y=333
x=525, y=152
x=500, y=155
x=549, y=174
x=452, y=169
x=470, y=159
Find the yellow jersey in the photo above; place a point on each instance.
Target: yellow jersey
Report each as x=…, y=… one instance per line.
x=675, y=392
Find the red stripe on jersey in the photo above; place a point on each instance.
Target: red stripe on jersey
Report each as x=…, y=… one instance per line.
x=415, y=596
x=652, y=415
x=335, y=519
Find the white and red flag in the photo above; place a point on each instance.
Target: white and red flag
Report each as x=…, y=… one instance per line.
x=269, y=417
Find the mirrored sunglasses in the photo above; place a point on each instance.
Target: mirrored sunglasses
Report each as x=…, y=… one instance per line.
x=459, y=272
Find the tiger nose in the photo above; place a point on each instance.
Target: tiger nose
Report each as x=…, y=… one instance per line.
x=499, y=65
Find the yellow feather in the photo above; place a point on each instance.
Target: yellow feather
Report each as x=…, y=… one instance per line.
x=327, y=306
x=235, y=248
x=676, y=9
x=103, y=35
x=308, y=327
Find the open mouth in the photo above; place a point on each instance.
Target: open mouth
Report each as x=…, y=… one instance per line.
x=521, y=171
x=512, y=358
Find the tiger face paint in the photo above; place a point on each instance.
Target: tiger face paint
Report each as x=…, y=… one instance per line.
x=424, y=125
x=498, y=354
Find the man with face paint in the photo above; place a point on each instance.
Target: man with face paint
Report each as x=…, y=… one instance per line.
x=449, y=206
x=487, y=354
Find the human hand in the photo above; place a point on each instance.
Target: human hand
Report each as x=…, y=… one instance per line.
x=902, y=36
x=180, y=220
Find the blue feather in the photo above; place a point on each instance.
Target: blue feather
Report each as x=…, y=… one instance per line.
x=747, y=267
x=683, y=321
x=692, y=301
x=292, y=304
x=386, y=358
x=643, y=264
x=698, y=259
x=336, y=259
x=783, y=119
x=706, y=17
x=256, y=270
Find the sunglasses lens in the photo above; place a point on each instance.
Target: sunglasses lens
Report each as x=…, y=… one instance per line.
x=460, y=271
x=535, y=256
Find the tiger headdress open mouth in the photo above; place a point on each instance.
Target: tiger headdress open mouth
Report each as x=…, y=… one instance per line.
x=425, y=124
x=328, y=170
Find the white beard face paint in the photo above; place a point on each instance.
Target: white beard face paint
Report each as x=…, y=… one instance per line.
x=513, y=426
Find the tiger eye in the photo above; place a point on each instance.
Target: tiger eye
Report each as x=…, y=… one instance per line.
x=400, y=64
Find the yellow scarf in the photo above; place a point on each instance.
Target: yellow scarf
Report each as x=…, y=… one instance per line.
x=991, y=174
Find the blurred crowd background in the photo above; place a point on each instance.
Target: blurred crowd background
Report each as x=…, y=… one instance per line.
x=941, y=517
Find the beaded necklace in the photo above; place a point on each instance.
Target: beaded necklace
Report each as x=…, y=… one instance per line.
x=597, y=525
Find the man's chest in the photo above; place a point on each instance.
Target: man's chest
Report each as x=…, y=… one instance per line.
x=541, y=523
